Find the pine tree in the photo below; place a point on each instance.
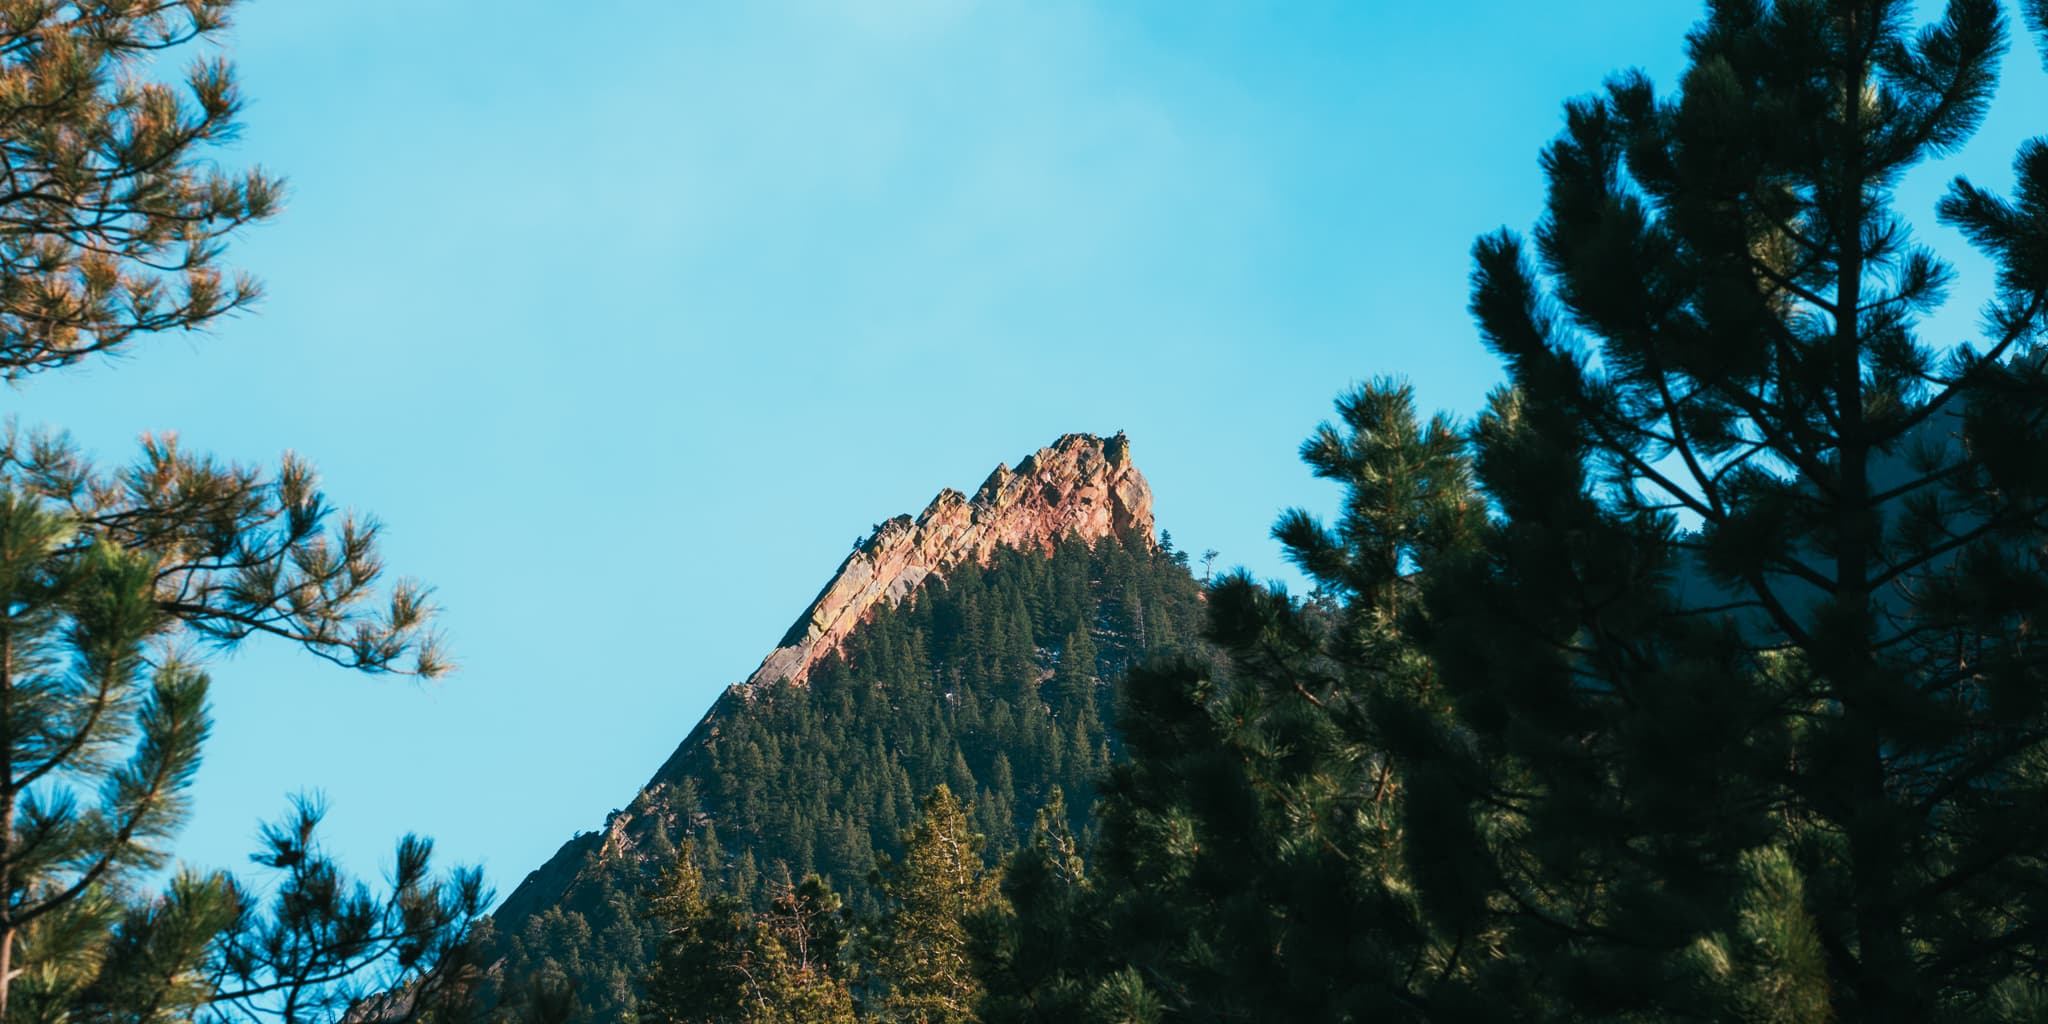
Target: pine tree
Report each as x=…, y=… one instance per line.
x=90, y=704
x=1749, y=716
x=77, y=695
x=746, y=876
x=928, y=895
x=1073, y=679
x=325, y=946
x=810, y=984
x=116, y=217
x=693, y=978
x=1000, y=798
x=1249, y=864
x=1024, y=944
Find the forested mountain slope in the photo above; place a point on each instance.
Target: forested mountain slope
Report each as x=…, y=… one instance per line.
x=969, y=646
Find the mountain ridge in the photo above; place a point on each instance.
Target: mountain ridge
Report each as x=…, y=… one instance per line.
x=1080, y=485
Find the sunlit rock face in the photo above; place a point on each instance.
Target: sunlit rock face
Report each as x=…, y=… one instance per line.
x=1081, y=486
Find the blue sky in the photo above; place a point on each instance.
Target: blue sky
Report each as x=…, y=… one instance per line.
x=628, y=321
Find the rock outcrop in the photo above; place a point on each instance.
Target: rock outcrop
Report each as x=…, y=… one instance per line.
x=1082, y=486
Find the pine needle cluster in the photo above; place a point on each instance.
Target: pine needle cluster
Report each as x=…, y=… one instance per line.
x=114, y=220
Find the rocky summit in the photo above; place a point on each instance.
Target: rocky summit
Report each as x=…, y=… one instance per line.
x=1080, y=486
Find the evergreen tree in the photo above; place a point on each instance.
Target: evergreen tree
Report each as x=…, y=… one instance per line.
x=1749, y=716
x=100, y=733
x=1000, y=799
x=690, y=980
x=810, y=927
x=1073, y=681
x=1024, y=944
x=928, y=895
x=1249, y=864
x=115, y=223
x=722, y=964
x=745, y=874
x=116, y=216
x=76, y=694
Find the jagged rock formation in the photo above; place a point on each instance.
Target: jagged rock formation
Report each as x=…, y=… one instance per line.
x=1082, y=485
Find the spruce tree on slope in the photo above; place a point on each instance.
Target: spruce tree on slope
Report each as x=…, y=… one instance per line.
x=720, y=963
x=922, y=959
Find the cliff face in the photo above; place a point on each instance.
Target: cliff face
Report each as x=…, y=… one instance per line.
x=1082, y=485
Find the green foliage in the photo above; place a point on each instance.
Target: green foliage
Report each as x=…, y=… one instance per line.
x=323, y=943
x=116, y=216
x=1773, y=967
x=1249, y=863
x=115, y=222
x=921, y=959
x=239, y=552
x=1023, y=944
x=82, y=711
x=1751, y=620
x=101, y=728
x=720, y=963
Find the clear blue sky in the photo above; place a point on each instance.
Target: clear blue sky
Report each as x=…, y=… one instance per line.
x=629, y=317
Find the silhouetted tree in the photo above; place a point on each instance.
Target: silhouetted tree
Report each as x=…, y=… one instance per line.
x=1748, y=688
x=1250, y=862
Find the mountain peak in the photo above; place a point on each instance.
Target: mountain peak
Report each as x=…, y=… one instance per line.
x=1080, y=486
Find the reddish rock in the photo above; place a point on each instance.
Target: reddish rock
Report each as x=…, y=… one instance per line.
x=1082, y=486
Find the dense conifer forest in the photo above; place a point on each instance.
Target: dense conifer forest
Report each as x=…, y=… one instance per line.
x=993, y=681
